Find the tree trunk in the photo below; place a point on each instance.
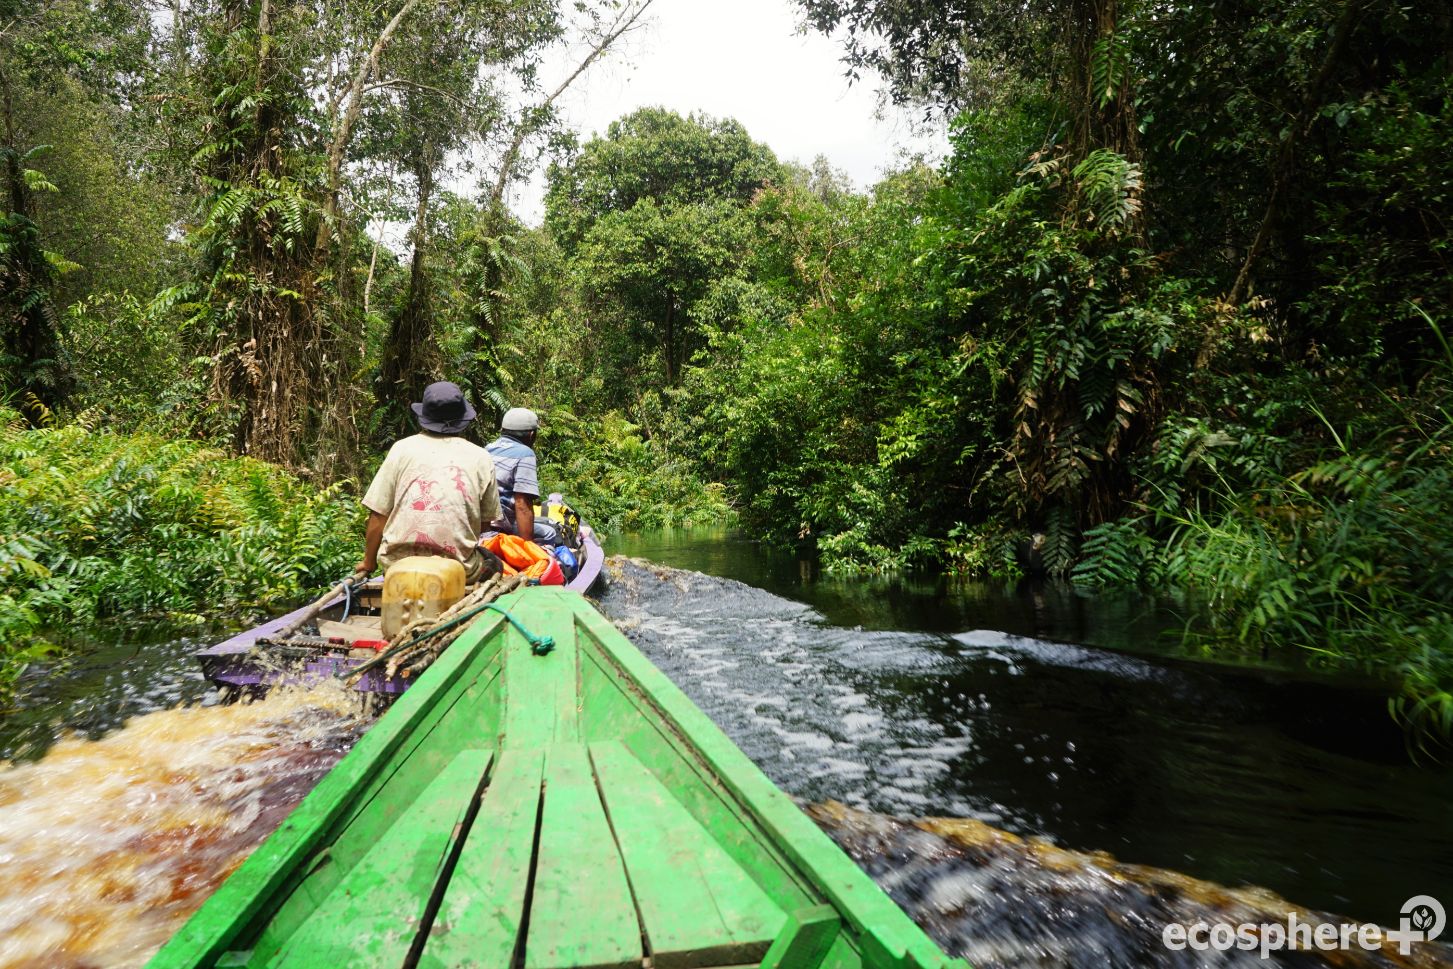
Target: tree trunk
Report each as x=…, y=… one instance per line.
x=29, y=323
x=1105, y=115
x=1284, y=167
x=368, y=283
x=670, y=330
x=272, y=365
x=347, y=117
x=407, y=355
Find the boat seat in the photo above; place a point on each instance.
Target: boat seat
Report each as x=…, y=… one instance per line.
x=353, y=629
x=698, y=907
x=620, y=868
x=368, y=918
x=482, y=911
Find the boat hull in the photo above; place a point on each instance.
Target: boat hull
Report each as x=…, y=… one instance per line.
x=234, y=666
x=558, y=811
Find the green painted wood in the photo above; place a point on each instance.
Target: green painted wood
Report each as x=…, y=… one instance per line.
x=479, y=918
x=595, y=687
x=845, y=955
x=581, y=913
x=371, y=918
x=697, y=905
x=805, y=940
x=887, y=937
x=615, y=707
x=543, y=698
x=257, y=887
x=464, y=717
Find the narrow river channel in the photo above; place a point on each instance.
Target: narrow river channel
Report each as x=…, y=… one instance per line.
x=1061, y=730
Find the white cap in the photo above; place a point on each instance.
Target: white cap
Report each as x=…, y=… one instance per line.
x=520, y=419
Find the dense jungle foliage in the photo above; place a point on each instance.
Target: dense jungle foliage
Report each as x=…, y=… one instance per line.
x=1174, y=311
x=141, y=529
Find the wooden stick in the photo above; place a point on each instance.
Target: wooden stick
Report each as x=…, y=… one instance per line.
x=343, y=588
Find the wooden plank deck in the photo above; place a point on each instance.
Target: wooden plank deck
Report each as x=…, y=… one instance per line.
x=581, y=859
x=541, y=880
x=480, y=917
x=371, y=918
x=581, y=913
x=698, y=906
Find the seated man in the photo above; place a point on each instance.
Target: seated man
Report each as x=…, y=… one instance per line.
x=434, y=492
x=518, y=478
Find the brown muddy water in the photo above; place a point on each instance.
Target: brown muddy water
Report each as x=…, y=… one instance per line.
x=107, y=845
x=1039, y=780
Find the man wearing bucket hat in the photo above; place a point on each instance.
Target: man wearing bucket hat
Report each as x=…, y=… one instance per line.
x=435, y=491
x=518, y=474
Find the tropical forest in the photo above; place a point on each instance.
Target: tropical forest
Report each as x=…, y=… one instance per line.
x=1170, y=316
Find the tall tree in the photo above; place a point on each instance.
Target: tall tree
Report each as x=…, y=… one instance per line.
x=659, y=155
x=449, y=82
x=111, y=214
x=654, y=214
x=491, y=253
x=257, y=297
x=295, y=104
x=27, y=313
x=45, y=47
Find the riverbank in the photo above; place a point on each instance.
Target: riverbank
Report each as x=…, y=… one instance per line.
x=139, y=530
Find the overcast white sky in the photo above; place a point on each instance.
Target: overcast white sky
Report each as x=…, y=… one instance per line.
x=742, y=59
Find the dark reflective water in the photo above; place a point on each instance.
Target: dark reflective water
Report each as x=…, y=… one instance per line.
x=1033, y=710
x=921, y=699
x=97, y=687
x=1002, y=902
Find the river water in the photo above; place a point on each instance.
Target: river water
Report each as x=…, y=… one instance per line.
x=1059, y=730
x=1178, y=788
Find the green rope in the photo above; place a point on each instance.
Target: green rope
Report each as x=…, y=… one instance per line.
x=539, y=645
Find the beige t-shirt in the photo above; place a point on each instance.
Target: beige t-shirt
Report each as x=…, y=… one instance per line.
x=438, y=492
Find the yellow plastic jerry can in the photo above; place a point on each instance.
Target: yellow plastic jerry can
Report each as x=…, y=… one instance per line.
x=419, y=587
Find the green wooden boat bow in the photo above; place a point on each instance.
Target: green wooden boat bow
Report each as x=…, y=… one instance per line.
x=558, y=811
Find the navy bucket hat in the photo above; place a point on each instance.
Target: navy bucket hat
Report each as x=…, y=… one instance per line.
x=443, y=409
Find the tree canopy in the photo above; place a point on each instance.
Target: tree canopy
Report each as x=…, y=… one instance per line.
x=1174, y=311
x=656, y=155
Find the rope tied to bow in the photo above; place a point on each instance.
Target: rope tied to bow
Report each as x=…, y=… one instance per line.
x=539, y=645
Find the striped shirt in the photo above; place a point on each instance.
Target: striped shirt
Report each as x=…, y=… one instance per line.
x=514, y=471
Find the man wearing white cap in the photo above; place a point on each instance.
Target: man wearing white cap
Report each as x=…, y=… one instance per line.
x=517, y=476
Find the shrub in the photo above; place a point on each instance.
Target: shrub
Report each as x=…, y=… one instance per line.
x=97, y=526
x=618, y=480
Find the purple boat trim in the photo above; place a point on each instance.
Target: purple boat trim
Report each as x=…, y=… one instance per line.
x=590, y=569
x=229, y=664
